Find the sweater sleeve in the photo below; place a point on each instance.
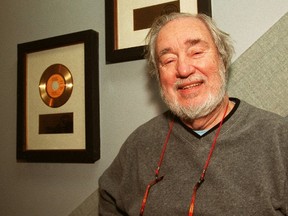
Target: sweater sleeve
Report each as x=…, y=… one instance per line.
x=109, y=189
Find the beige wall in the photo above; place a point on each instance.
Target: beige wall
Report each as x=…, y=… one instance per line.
x=126, y=96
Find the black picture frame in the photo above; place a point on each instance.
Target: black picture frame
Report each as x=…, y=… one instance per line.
x=115, y=55
x=67, y=148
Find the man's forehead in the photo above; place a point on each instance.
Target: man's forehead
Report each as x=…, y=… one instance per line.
x=184, y=25
x=189, y=30
x=188, y=43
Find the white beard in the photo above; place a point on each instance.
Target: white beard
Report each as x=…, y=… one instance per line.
x=191, y=112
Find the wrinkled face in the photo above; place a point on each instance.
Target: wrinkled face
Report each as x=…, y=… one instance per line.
x=191, y=73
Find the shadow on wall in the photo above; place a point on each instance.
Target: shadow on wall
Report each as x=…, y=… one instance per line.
x=153, y=90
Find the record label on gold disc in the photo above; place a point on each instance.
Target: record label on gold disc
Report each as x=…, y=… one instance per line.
x=56, y=85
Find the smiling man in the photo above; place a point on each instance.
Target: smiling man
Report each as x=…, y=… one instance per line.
x=208, y=154
x=191, y=72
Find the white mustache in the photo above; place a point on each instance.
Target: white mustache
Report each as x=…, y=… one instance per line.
x=191, y=79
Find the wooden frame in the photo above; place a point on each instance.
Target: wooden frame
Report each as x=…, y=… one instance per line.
x=117, y=21
x=57, y=114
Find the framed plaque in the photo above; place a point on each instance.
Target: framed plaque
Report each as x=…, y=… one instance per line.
x=58, y=99
x=128, y=23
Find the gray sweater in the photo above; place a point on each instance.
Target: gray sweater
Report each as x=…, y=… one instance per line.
x=247, y=174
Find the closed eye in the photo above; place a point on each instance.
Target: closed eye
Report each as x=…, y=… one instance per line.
x=167, y=59
x=196, y=54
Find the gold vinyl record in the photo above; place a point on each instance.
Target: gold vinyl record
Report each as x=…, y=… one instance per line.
x=56, y=85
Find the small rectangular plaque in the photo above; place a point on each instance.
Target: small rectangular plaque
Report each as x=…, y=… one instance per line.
x=61, y=123
x=144, y=17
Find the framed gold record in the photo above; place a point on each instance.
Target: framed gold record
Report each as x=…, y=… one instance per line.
x=58, y=99
x=56, y=85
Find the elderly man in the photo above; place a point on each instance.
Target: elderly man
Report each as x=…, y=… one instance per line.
x=209, y=154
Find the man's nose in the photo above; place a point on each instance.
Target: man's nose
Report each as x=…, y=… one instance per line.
x=185, y=67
